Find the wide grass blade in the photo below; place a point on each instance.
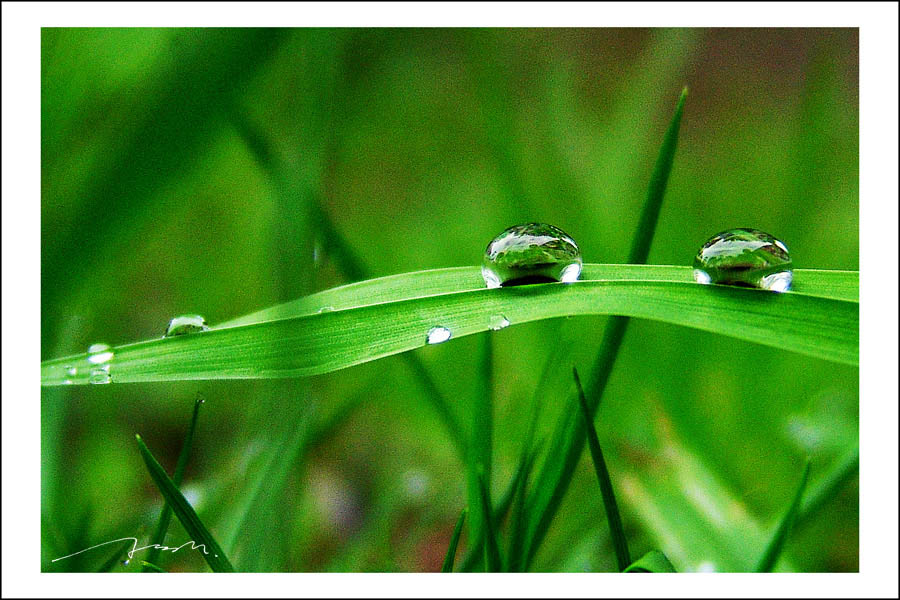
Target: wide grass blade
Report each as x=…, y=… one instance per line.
x=454, y=542
x=776, y=544
x=616, y=530
x=808, y=322
x=200, y=535
x=652, y=562
x=166, y=515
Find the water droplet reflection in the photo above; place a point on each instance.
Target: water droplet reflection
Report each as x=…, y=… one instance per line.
x=437, y=335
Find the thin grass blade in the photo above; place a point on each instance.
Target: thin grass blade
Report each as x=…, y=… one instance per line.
x=116, y=557
x=149, y=567
x=831, y=484
x=776, y=545
x=492, y=562
x=454, y=542
x=166, y=516
x=210, y=549
x=652, y=562
x=616, y=530
x=569, y=437
x=480, y=445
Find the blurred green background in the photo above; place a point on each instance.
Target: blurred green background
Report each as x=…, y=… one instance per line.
x=180, y=173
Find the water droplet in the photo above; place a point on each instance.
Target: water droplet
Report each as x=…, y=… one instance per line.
x=745, y=257
x=71, y=371
x=99, y=354
x=184, y=324
x=436, y=335
x=325, y=309
x=100, y=375
x=498, y=322
x=126, y=562
x=531, y=253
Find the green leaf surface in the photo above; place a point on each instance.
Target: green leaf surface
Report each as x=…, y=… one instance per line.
x=652, y=562
x=386, y=316
x=200, y=535
x=776, y=544
x=616, y=530
x=454, y=542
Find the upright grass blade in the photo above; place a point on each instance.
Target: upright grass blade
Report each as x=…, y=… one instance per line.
x=346, y=259
x=454, y=542
x=846, y=468
x=518, y=518
x=492, y=562
x=200, y=535
x=163, y=526
x=480, y=446
x=616, y=530
x=569, y=436
x=652, y=562
x=776, y=544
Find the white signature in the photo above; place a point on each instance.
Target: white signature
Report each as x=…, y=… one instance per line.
x=134, y=548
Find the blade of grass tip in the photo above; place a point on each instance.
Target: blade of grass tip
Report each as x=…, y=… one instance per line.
x=166, y=516
x=616, y=530
x=348, y=263
x=454, y=542
x=492, y=562
x=480, y=446
x=150, y=567
x=652, y=562
x=201, y=537
x=776, y=544
x=846, y=468
x=569, y=435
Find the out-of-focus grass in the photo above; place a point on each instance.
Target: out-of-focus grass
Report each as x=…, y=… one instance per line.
x=153, y=205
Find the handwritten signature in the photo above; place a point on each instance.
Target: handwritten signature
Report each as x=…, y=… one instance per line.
x=134, y=548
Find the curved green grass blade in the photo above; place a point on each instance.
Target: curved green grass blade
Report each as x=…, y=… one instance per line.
x=454, y=542
x=201, y=536
x=149, y=567
x=387, y=321
x=652, y=562
x=616, y=530
x=492, y=561
x=166, y=516
x=776, y=544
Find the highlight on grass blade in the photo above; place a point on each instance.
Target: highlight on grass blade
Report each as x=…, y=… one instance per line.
x=776, y=544
x=454, y=542
x=202, y=538
x=652, y=562
x=616, y=531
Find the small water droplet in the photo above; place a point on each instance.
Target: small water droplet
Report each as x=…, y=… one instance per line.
x=499, y=322
x=184, y=324
x=531, y=253
x=745, y=257
x=126, y=562
x=94, y=348
x=100, y=375
x=437, y=335
x=325, y=309
x=71, y=371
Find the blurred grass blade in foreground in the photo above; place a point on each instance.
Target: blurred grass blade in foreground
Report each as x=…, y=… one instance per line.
x=200, y=535
x=454, y=542
x=652, y=562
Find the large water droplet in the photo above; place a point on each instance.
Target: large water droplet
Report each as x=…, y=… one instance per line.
x=436, y=335
x=745, y=257
x=184, y=324
x=499, y=322
x=99, y=354
x=531, y=253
